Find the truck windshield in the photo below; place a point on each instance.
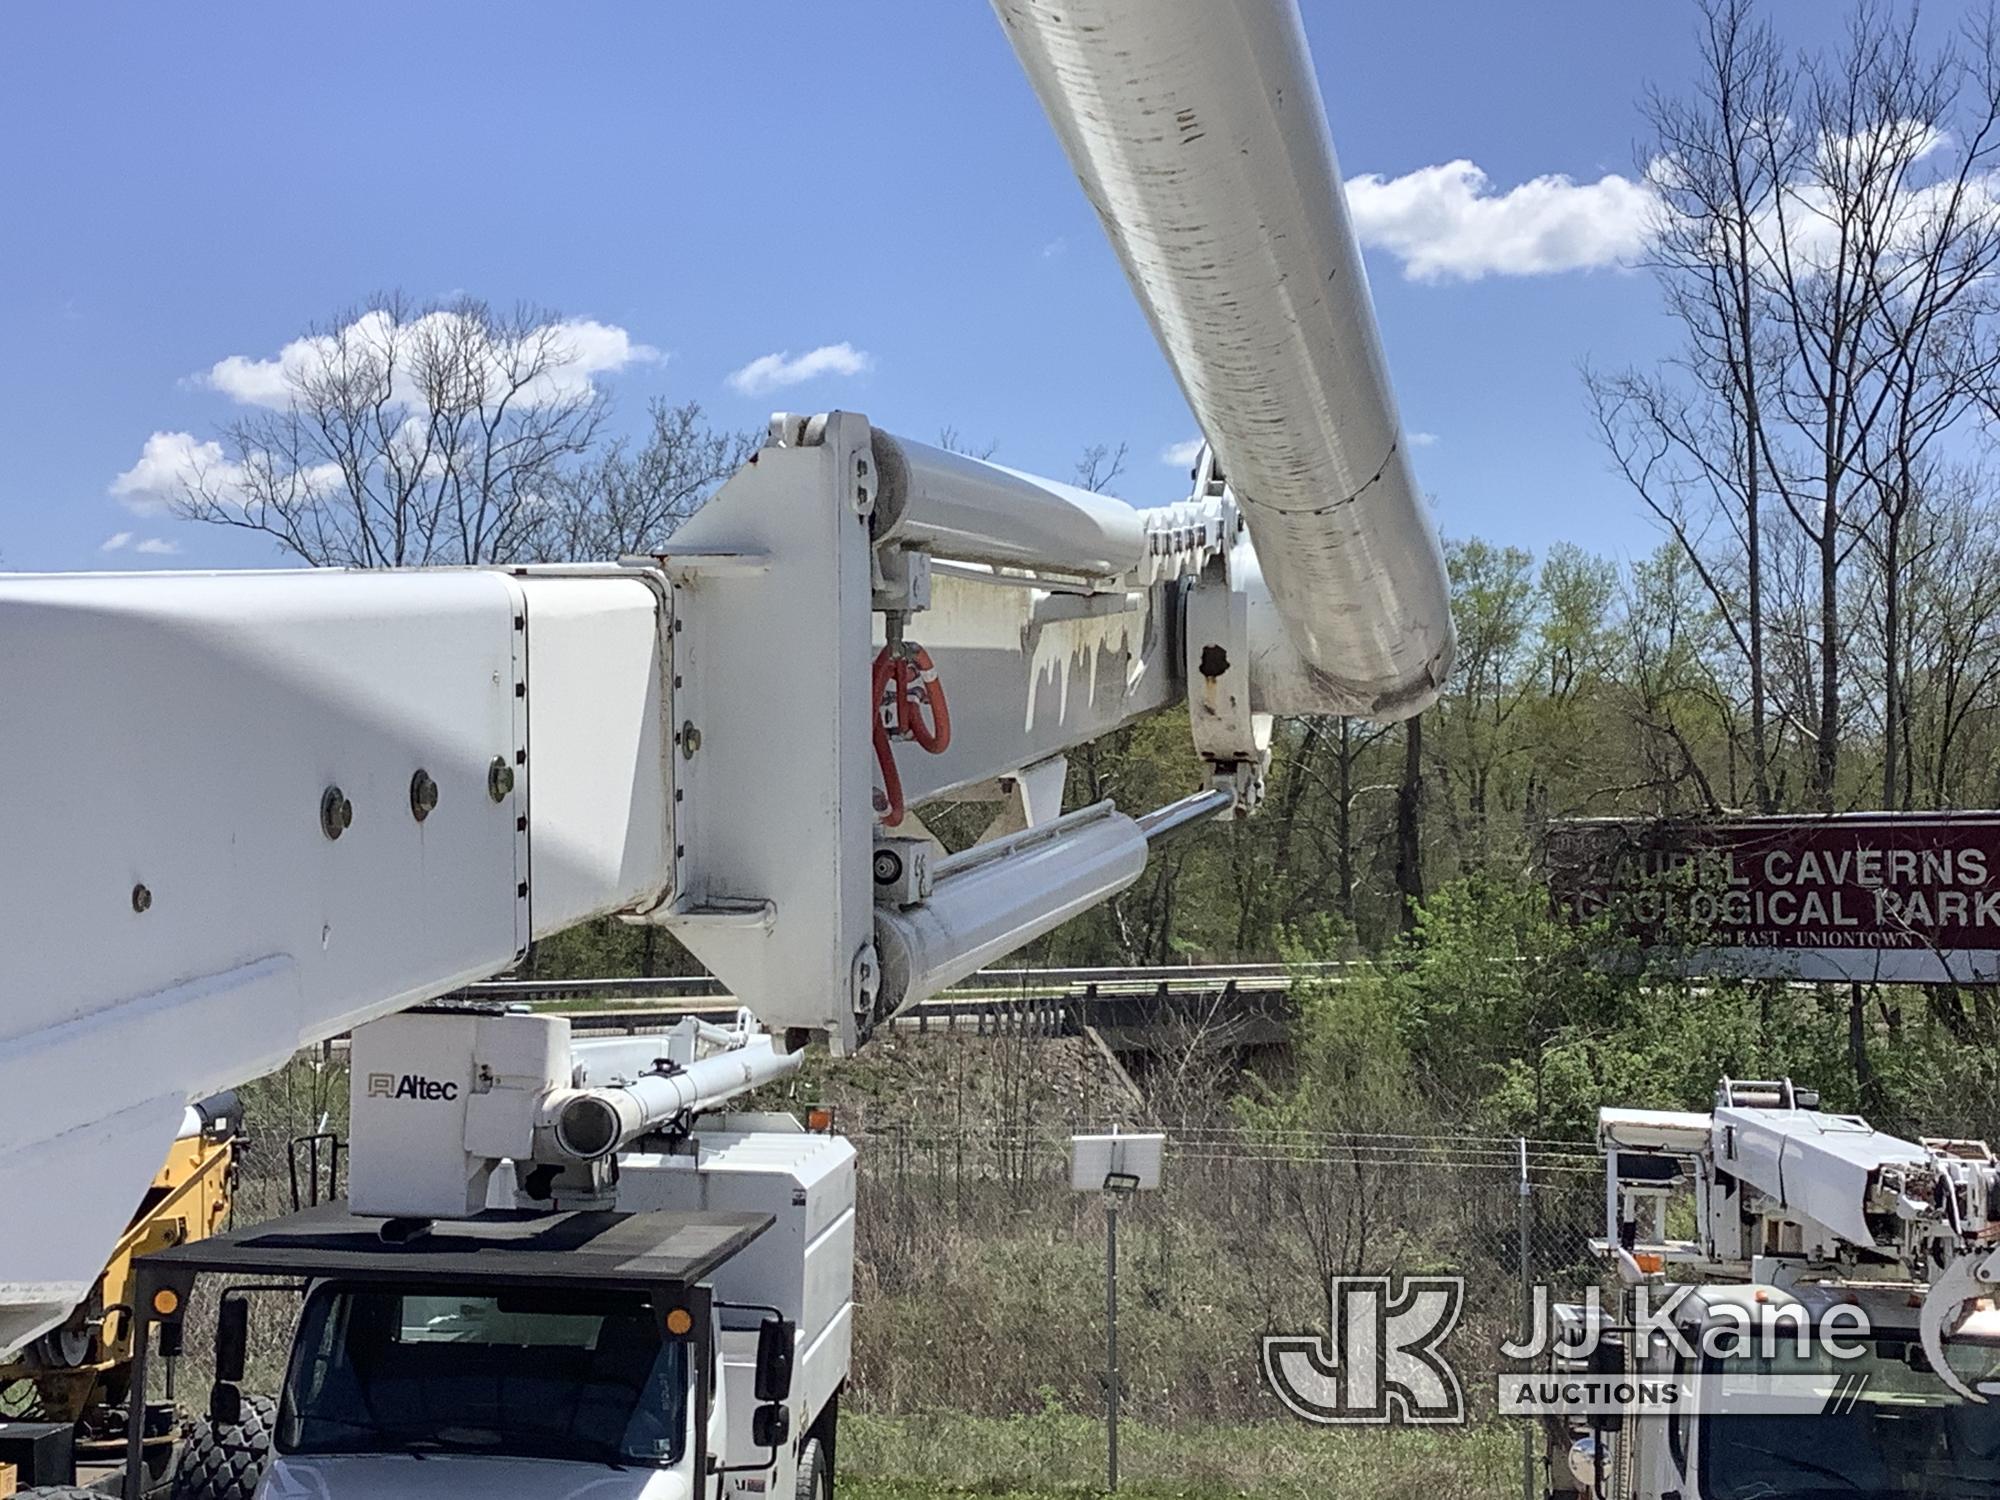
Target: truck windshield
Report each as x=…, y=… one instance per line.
x=562, y=1374
x=1890, y=1427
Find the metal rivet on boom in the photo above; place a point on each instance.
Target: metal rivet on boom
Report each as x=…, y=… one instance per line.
x=336, y=813
x=423, y=795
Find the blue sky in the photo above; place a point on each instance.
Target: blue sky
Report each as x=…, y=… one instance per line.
x=725, y=182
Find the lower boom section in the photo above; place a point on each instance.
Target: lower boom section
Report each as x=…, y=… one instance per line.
x=247, y=812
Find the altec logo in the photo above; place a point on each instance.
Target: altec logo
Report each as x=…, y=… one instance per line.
x=409, y=1086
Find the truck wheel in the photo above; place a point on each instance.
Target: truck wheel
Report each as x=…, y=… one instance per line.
x=225, y=1463
x=815, y=1473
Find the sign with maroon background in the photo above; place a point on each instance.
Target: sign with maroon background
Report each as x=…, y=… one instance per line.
x=1897, y=897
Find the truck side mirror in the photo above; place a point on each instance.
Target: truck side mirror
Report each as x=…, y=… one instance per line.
x=770, y=1426
x=776, y=1340
x=225, y=1404
x=232, y=1339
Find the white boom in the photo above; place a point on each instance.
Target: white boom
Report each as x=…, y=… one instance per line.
x=245, y=812
x=1201, y=140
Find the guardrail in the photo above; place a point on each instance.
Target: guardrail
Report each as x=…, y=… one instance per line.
x=1041, y=1001
x=994, y=982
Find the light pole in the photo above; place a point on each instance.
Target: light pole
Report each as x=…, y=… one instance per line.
x=1117, y=1166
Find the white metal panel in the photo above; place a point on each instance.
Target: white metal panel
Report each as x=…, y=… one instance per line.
x=599, y=744
x=436, y=1100
x=173, y=919
x=1199, y=135
x=178, y=732
x=1819, y=1166
x=426, y=1475
x=804, y=1263
x=1030, y=674
x=773, y=662
x=411, y=1080
x=1094, y=1160
x=67, y=1200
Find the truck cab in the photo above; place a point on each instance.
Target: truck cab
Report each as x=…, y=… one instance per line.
x=690, y=1342
x=1755, y=1415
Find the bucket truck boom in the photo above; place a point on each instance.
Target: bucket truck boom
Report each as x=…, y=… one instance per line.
x=1784, y=1218
x=248, y=811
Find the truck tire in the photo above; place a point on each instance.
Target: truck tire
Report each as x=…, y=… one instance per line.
x=225, y=1463
x=815, y=1480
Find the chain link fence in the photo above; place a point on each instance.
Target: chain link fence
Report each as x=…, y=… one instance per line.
x=980, y=1274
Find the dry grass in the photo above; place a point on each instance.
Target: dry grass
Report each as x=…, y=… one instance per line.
x=1055, y=1452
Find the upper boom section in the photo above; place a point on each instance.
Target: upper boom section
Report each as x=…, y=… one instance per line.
x=1199, y=135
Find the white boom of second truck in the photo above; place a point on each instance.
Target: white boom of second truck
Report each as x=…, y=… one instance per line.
x=247, y=811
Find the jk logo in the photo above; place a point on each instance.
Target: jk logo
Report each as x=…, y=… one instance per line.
x=1382, y=1363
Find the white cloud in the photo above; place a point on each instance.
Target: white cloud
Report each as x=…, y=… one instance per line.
x=580, y=350
x=1447, y=223
x=167, y=461
x=1423, y=439
x=1811, y=217
x=772, y=372
x=152, y=546
x=1181, y=455
x=1903, y=142
x=173, y=462
x=258, y=382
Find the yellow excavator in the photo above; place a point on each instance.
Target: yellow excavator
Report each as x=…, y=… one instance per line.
x=63, y=1398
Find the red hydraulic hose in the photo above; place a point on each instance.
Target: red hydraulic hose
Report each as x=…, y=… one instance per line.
x=919, y=711
x=917, y=675
x=885, y=755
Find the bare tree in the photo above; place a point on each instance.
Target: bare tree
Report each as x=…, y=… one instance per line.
x=1099, y=467
x=1938, y=357
x=1689, y=438
x=629, y=499
x=953, y=441
x=1839, y=231
x=1825, y=239
x=408, y=434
